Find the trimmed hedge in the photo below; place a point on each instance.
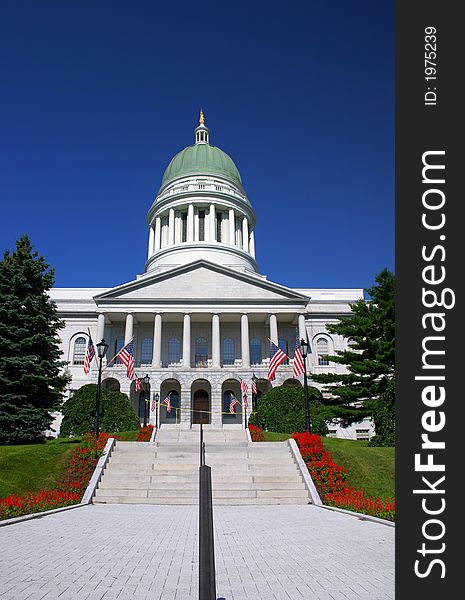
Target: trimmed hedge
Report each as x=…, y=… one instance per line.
x=116, y=413
x=282, y=409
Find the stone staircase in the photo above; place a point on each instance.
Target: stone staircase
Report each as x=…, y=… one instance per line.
x=167, y=472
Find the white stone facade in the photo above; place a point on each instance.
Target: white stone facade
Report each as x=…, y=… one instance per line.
x=201, y=315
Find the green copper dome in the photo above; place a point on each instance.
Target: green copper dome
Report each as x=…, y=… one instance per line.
x=202, y=159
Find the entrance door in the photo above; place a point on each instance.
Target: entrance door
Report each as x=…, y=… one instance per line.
x=201, y=406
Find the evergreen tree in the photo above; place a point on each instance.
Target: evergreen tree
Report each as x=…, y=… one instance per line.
x=370, y=357
x=32, y=380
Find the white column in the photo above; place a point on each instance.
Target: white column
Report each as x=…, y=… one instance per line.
x=302, y=328
x=212, y=216
x=100, y=328
x=245, y=234
x=232, y=227
x=151, y=242
x=171, y=227
x=216, y=341
x=186, y=342
x=156, y=359
x=252, y=244
x=190, y=223
x=157, y=234
x=245, y=348
x=274, y=330
x=129, y=332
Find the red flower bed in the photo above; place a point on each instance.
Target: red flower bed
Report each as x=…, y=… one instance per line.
x=330, y=481
x=71, y=487
x=358, y=501
x=256, y=433
x=145, y=433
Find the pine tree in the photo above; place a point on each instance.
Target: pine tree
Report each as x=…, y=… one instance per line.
x=32, y=380
x=370, y=357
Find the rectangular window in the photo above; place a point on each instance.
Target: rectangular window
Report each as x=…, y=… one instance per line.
x=332, y=433
x=362, y=434
x=184, y=227
x=201, y=225
x=219, y=221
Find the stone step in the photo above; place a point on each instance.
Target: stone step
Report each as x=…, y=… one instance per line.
x=223, y=485
x=122, y=471
x=218, y=501
x=109, y=480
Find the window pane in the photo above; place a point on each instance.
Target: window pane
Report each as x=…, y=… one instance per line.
x=174, y=350
x=255, y=351
x=228, y=351
x=201, y=352
x=146, y=351
x=79, y=351
x=322, y=347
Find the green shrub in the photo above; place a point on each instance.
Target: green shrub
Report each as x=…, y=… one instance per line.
x=384, y=417
x=282, y=409
x=116, y=413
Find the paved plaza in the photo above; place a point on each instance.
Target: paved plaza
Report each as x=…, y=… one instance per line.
x=141, y=552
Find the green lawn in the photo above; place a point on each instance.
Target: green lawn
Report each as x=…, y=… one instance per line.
x=33, y=467
x=368, y=469
x=271, y=436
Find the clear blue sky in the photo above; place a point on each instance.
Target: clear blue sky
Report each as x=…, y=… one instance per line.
x=98, y=96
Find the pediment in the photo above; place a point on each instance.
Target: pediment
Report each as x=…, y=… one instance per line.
x=201, y=281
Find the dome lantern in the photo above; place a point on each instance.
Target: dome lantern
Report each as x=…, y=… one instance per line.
x=202, y=133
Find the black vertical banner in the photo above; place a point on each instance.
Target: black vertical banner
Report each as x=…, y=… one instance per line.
x=430, y=236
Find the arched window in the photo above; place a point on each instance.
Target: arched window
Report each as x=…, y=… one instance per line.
x=174, y=350
x=201, y=352
x=79, y=352
x=229, y=417
x=174, y=415
x=146, y=351
x=322, y=348
x=255, y=351
x=284, y=346
x=229, y=354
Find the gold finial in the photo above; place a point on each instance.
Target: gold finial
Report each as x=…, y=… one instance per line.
x=202, y=118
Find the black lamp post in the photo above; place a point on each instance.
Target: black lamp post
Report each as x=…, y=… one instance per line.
x=146, y=398
x=254, y=399
x=102, y=348
x=157, y=398
x=244, y=403
x=304, y=349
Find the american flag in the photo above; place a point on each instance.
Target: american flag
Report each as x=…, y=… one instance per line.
x=232, y=404
x=154, y=405
x=277, y=357
x=90, y=353
x=126, y=356
x=244, y=387
x=254, y=384
x=299, y=367
x=167, y=401
x=246, y=402
x=137, y=385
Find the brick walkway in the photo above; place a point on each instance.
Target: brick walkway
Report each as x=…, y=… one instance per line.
x=137, y=552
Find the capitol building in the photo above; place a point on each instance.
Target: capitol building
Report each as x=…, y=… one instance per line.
x=201, y=314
